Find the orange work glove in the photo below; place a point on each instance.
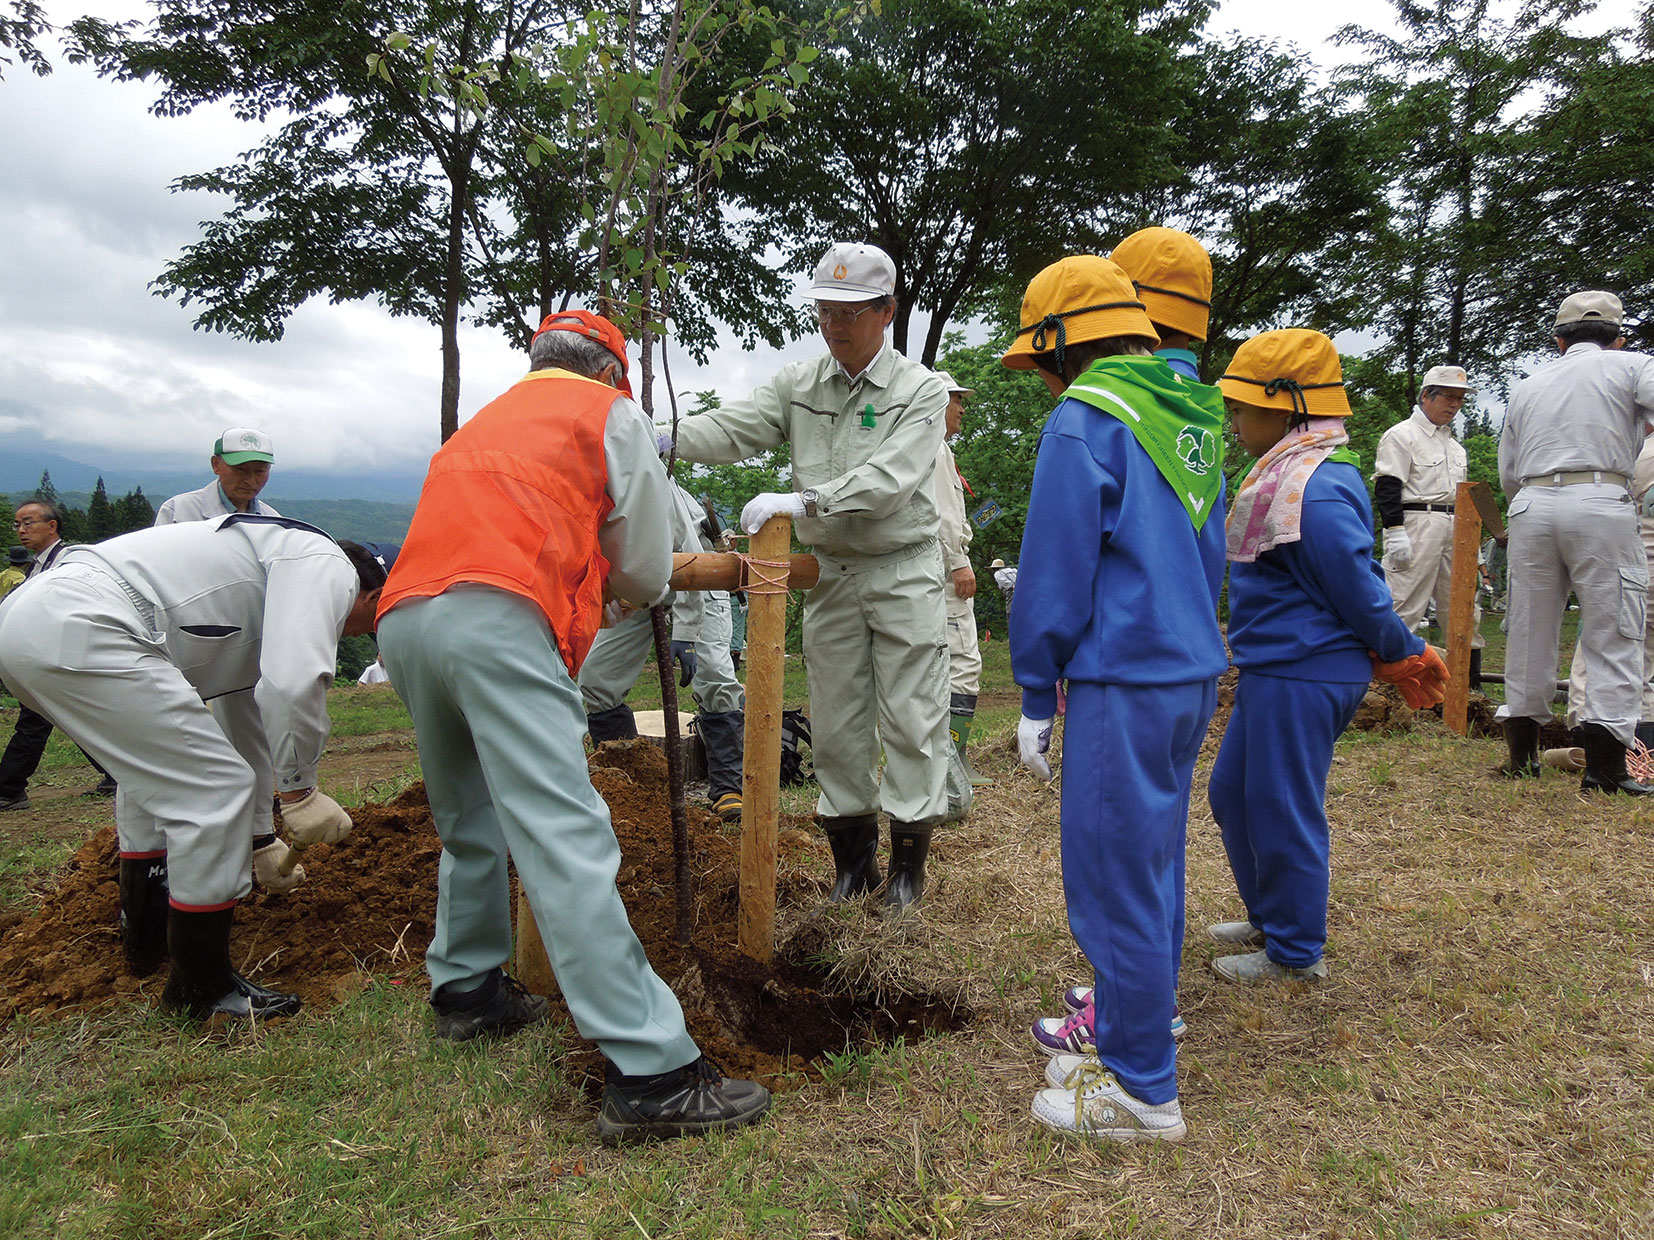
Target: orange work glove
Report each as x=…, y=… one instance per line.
x=1421, y=678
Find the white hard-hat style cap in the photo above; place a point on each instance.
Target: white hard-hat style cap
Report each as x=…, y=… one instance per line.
x=1447, y=377
x=952, y=385
x=852, y=271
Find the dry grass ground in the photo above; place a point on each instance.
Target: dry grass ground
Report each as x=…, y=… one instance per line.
x=1481, y=1064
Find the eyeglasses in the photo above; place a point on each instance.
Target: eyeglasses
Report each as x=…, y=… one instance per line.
x=829, y=316
x=26, y=522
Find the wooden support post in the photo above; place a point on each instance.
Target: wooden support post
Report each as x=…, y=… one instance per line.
x=1461, y=604
x=533, y=966
x=761, y=761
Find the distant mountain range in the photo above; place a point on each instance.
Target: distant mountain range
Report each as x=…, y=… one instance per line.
x=24, y=456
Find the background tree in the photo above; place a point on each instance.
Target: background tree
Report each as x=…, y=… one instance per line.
x=133, y=511
x=22, y=24
x=100, y=515
x=1280, y=228
x=972, y=142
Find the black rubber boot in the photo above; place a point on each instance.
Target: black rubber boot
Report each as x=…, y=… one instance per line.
x=1605, y=763
x=144, y=913
x=1475, y=671
x=908, y=847
x=202, y=984
x=615, y=724
x=1645, y=734
x=1522, y=739
x=721, y=737
x=855, y=842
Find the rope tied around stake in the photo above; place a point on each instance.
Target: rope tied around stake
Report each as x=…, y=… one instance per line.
x=763, y=576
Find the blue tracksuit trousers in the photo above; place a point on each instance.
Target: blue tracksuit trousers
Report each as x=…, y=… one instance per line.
x=1268, y=793
x=1128, y=762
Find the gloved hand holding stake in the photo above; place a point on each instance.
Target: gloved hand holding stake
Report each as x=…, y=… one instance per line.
x=268, y=863
x=760, y=508
x=1398, y=547
x=683, y=654
x=1033, y=744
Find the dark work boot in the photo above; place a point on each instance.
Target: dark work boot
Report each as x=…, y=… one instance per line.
x=692, y=1099
x=1605, y=763
x=855, y=842
x=202, y=984
x=721, y=737
x=1522, y=739
x=615, y=724
x=499, y=1007
x=1645, y=734
x=144, y=912
x=908, y=846
x=1475, y=671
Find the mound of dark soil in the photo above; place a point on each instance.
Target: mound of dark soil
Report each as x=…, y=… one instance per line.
x=369, y=903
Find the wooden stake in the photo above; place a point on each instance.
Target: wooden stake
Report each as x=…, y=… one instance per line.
x=761, y=761
x=1461, y=604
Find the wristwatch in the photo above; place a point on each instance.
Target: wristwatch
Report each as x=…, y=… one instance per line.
x=811, y=498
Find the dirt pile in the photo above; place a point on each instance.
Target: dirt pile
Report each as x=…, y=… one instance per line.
x=369, y=903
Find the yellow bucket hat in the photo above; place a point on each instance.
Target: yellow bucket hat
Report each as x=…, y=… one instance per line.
x=1294, y=370
x=1173, y=274
x=1082, y=297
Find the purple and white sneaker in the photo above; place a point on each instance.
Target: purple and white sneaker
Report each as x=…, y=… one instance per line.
x=1078, y=999
x=1066, y=1035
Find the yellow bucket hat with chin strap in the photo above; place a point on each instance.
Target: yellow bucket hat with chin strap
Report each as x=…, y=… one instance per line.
x=1294, y=370
x=1173, y=275
x=1082, y=297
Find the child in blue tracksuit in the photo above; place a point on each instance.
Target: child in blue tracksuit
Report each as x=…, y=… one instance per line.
x=1310, y=619
x=1119, y=577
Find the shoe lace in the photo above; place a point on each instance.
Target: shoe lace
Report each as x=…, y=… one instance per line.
x=1081, y=1020
x=1082, y=1077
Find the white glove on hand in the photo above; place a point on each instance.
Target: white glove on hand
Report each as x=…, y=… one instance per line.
x=1398, y=547
x=663, y=442
x=1033, y=743
x=315, y=819
x=267, y=868
x=760, y=508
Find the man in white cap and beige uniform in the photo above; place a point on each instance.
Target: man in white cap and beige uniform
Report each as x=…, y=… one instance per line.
x=241, y=461
x=865, y=425
x=1572, y=433
x=1416, y=476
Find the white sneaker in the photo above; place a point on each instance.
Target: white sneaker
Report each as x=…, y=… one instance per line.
x=1236, y=934
x=1258, y=967
x=1096, y=1106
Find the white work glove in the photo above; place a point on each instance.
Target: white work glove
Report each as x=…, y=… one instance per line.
x=1398, y=547
x=663, y=442
x=315, y=819
x=267, y=868
x=760, y=508
x=1034, y=743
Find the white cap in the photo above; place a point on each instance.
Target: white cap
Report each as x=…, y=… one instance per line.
x=953, y=387
x=1447, y=377
x=851, y=271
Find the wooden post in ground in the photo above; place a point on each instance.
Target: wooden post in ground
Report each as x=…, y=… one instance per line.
x=767, y=582
x=1472, y=501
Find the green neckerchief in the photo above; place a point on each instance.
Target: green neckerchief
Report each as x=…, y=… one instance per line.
x=1344, y=456
x=1178, y=422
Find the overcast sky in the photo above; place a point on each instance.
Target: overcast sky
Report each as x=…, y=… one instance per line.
x=109, y=372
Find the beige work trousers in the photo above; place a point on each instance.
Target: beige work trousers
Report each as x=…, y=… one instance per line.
x=1430, y=575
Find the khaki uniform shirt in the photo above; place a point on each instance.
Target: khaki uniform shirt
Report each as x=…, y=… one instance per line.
x=868, y=448
x=950, y=503
x=1585, y=410
x=1426, y=457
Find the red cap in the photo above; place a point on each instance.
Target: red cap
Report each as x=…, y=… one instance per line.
x=597, y=328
